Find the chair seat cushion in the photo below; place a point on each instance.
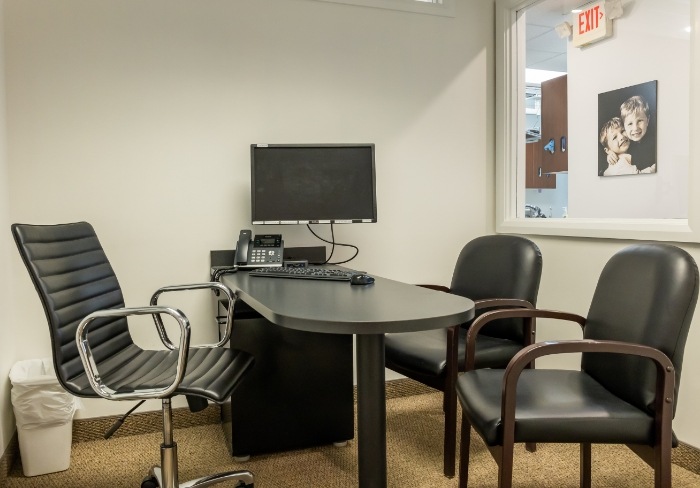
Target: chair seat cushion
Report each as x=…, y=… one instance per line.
x=560, y=406
x=424, y=353
x=212, y=373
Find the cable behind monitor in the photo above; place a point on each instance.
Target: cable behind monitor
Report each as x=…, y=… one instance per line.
x=333, y=244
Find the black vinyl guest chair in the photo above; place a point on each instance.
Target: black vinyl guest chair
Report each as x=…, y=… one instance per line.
x=496, y=271
x=93, y=351
x=627, y=387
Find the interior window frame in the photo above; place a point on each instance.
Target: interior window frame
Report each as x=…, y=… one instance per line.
x=507, y=152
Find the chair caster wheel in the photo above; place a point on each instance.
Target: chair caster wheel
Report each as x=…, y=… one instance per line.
x=149, y=482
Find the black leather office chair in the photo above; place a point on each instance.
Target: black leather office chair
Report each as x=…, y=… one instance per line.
x=93, y=351
x=627, y=387
x=494, y=271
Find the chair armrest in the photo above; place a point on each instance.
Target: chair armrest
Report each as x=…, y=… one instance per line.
x=501, y=303
x=91, y=368
x=524, y=309
x=665, y=375
x=196, y=286
x=436, y=287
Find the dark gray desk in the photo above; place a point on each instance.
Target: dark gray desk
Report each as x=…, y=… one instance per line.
x=369, y=311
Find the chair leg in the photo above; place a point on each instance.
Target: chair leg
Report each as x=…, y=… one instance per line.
x=166, y=476
x=585, y=465
x=245, y=479
x=464, y=448
x=449, y=404
x=450, y=437
x=505, y=465
x=662, y=468
x=659, y=458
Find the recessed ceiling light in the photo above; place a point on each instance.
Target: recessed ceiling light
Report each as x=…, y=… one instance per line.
x=539, y=75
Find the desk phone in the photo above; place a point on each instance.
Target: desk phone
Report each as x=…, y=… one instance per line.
x=259, y=251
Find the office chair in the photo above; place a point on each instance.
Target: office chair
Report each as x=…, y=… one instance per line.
x=626, y=389
x=94, y=354
x=494, y=271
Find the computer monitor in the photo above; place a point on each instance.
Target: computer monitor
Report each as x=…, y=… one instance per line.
x=313, y=183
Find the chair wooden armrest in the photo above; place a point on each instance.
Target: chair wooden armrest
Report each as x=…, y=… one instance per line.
x=524, y=310
x=665, y=379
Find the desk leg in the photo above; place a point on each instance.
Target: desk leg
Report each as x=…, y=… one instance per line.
x=371, y=411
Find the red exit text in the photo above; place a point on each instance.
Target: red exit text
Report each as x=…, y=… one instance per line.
x=589, y=20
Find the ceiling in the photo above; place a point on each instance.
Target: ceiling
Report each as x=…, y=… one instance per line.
x=544, y=48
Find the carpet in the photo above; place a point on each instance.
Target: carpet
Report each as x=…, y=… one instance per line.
x=414, y=458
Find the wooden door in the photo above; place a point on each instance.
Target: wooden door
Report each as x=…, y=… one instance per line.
x=555, y=125
x=535, y=176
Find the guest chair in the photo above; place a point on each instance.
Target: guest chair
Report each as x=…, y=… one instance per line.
x=94, y=354
x=494, y=271
x=626, y=389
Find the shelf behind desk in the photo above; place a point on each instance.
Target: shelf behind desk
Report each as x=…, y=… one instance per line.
x=299, y=393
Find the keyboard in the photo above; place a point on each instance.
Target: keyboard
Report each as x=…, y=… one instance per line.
x=310, y=273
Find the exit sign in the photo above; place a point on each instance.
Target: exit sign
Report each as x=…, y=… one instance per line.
x=591, y=24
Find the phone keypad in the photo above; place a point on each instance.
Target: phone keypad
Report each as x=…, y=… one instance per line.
x=265, y=256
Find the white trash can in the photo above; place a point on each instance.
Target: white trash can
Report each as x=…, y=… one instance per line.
x=44, y=414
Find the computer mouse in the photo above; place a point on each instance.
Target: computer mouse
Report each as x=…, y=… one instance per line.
x=361, y=279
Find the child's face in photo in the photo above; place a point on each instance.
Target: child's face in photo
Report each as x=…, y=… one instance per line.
x=636, y=125
x=617, y=140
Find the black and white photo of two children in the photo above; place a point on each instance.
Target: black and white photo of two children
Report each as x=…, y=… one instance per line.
x=627, y=137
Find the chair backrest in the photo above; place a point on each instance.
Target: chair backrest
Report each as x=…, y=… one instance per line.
x=73, y=278
x=646, y=294
x=499, y=266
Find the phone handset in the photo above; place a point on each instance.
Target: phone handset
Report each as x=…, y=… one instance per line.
x=243, y=247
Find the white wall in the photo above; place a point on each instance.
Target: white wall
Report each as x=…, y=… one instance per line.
x=138, y=116
x=7, y=331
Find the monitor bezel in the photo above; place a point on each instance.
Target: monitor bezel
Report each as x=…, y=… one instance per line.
x=372, y=219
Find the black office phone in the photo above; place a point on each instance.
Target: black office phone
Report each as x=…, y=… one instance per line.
x=259, y=251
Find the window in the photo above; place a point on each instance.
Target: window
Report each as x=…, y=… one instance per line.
x=444, y=8
x=583, y=202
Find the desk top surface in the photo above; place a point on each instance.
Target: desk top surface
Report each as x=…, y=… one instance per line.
x=337, y=307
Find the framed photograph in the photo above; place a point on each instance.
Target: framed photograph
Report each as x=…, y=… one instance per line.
x=627, y=130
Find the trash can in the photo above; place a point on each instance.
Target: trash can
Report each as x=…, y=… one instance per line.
x=44, y=414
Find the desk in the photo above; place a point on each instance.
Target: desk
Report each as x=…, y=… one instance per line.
x=369, y=311
x=298, y=394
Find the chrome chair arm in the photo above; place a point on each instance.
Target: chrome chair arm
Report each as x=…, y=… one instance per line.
x=195, y=286
x=91, y=367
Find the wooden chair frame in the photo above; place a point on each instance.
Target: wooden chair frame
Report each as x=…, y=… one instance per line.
x=657, y=456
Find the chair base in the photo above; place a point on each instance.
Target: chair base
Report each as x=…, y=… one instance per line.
x=166, y=475
x=244, y=478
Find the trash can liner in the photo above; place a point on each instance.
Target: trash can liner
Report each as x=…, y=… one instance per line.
x=38, y=399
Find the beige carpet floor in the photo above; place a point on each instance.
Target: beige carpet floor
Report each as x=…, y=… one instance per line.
x=414, y=453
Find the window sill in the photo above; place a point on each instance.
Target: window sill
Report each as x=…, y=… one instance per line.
x=673, y=230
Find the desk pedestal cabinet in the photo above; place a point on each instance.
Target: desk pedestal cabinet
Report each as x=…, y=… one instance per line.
x=299, y=393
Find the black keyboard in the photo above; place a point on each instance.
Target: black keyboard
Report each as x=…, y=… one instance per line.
x=310, y=273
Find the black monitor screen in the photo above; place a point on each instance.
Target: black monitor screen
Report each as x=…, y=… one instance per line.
x=313, y=183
